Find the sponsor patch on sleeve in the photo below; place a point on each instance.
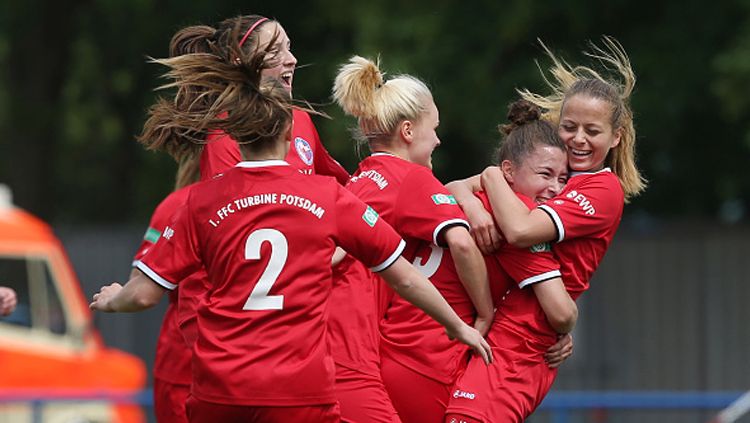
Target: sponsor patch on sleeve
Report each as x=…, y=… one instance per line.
x=152, y=235
x=543, y=247
x=443, y=199
x=370, y=216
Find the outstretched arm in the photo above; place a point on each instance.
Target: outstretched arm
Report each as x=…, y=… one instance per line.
x=138, y=294
x=483, y=228
x=521, y=227
x=473, y=274
x=415, y=288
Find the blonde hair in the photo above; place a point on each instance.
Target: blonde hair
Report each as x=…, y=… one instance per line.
x=378, y=105
x=568, y=81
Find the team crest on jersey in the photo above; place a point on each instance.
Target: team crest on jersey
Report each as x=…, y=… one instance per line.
x=443, y=199
x=168, y=232
x=543, y=247
x=370, y=216
x=304, y=150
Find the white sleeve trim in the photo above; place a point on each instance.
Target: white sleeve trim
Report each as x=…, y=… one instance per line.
x=440, y=227
x=153, y=276
x=556, y=220
x=392, y=258
x=539, y=278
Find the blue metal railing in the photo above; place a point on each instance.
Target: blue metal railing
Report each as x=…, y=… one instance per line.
x=561, y=403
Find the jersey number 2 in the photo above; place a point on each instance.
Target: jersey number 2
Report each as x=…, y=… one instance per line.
x=259, y=298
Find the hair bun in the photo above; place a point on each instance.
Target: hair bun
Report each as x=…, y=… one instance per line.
x=520, y=113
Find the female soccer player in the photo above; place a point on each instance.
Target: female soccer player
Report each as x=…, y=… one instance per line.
x=306, y=152
x=265, y=234
x=398, y=118
x=172, y=364
x=596, y=124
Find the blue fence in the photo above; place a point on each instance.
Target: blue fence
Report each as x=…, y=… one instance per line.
x=561, y=403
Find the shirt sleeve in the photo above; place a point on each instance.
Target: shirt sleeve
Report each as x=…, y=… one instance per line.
x=219, y=154
x=175, y=255
x=527, y=266
x=159, y=219
x=425, y=208
x=363, y=234
x=149, y=238
x=588, y=209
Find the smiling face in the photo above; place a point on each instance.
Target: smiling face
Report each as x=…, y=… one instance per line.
x=542, y=174
x=280, y=58
x=424, y=137
x=586, y=128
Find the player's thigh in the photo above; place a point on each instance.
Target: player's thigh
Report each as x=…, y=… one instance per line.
x=417, y=398
x=207, y=412
x=169, y=401
x=363, y=398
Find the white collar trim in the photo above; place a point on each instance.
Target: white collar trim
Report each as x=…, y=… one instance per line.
x=261, y=163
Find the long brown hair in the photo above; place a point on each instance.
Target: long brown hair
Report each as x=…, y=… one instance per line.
x=218, y=86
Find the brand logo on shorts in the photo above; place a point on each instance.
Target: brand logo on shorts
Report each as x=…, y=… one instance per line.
x=304, y=151
x=370, y=216
x=540, y=248
x=443, y=199
x=463, y=394
x=168, y=232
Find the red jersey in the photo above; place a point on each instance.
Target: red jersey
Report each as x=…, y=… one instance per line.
x=516, y=381
x=418, y=206
x=172, y=361
x=266, y=238
x=306, y=152
x=586, y=215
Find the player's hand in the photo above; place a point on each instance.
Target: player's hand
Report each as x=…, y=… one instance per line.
x=482, y=227
x=8, y=301
x=102, y=298
x=471, y=337
x=482, y=324
x=559, y=352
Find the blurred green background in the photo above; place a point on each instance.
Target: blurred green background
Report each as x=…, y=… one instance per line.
x=75, y=85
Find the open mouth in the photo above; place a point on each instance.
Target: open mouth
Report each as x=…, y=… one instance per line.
x=580, y=153
x=286, y=78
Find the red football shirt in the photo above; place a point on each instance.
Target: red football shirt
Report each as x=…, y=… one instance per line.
x=418, y=206
x=586, y=215
x=266, y=234
x=306, y=152
x=172, y=361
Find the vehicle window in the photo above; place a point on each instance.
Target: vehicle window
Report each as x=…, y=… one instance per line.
x=39, y=305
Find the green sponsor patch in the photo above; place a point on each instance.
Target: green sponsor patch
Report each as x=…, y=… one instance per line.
x=544, y=247
x=370, y=216
x=152, y=235
x=443, y=199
